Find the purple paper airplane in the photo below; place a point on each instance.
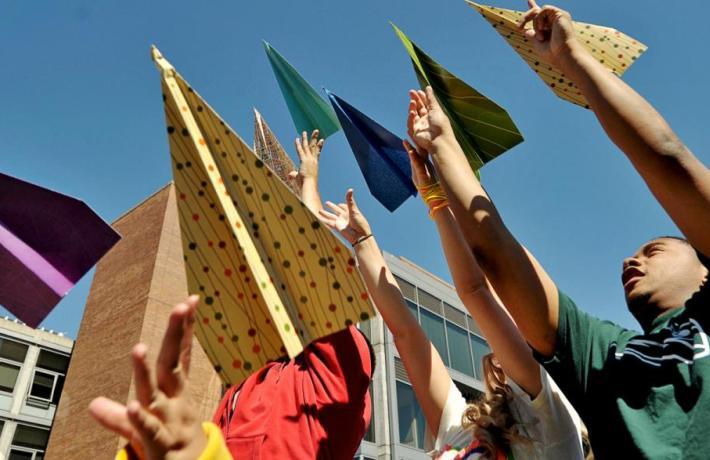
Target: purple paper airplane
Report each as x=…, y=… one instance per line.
x=48, y=241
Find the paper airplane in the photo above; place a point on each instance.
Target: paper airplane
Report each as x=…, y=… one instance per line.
x=483, y=128
x=272, y=153
x=271, y=277
x=379, y=154
x=613, y=49
x=308, y=110
x=48, y=241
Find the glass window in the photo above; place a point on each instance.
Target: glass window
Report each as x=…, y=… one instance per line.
x=454, y=315
x=370, y=434
x=42, y=385
x=52, y=361
x=480, y=349
x=16, y=454
x=8, y=376
x=411, y=417
x=459, y=349
x=433, y=326
x=413, y=308
x=429, y=301
x=30, y=437
x=9, y=349
x=407, y=288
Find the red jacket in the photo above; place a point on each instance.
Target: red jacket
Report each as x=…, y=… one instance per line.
x=315, y=406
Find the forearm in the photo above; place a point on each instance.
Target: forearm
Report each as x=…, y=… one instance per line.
x=496, y=325
x=679, y=181
x=310, y=195
x=426, y=370
x=526, y=289
x=383, y=289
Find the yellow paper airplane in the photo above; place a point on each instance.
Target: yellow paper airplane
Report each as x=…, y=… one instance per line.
x=270, y=276
x=613, y=49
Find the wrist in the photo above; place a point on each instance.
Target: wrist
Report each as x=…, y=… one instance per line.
x=442, y=142
x=569, y=57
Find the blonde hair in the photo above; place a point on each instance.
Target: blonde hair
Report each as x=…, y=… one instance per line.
x=490, y=418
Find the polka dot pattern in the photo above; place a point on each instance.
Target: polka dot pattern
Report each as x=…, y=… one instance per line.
x=252, y=249
x=613, y=49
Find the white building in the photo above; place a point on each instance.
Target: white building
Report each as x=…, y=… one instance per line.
x=33, y=364
x=397, y=429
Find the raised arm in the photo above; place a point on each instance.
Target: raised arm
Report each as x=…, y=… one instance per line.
x=426, y=370
x=307, y=175
x=525, y=288
x=497, y=326
x=678, y=180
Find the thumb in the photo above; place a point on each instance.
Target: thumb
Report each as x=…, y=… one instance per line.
x=350, y=200
x=293, y=175
x=415, y=162
x=432, y=101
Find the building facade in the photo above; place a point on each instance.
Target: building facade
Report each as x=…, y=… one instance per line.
x=33, y=366
x=134, y=288
x=398, y=429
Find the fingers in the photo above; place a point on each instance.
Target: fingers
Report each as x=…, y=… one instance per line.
x=421, y=175
x=188, y=329
x=314, y=136
x=350, y=200
x=149, y=428
x=170, y=375
x=304, y=143
x=327, y=218
x=432, y=102
x=299, y=149
x=339, y=212
x=112, y=416
x=145, y=386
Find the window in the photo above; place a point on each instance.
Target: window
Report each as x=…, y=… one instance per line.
x=413, y=308
x=429, y=301
x=370, y=434
x=48, y=379
x=407, y=288
x=8, y=376
x=411, y=417
x=12, y=356
x=459, y=349
x=15, y=351
x=480, y=349
x=433, y=326
x=28, y=443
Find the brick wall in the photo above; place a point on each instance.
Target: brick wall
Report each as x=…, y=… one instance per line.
x=135, y=286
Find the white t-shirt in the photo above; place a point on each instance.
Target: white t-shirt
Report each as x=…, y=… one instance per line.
x=548, y=420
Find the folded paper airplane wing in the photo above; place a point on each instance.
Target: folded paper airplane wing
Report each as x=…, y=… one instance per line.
x=613, y=49
x=272, y=153
x=48, y=241
x=308, y=110
x=271, y=277
x=482, y=127
x=379, y=154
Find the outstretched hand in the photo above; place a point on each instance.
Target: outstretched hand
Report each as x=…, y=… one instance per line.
x=308, y=155
x=552, y=31
x=422, y=169
x=426, y=122
x=346, y=219
x=161, y=424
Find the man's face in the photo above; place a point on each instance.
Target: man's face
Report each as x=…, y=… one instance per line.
x=662, y=271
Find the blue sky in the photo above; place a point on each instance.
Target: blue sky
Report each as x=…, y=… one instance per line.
x=82, y=112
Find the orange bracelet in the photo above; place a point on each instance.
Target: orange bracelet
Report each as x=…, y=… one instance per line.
x=434, y=197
